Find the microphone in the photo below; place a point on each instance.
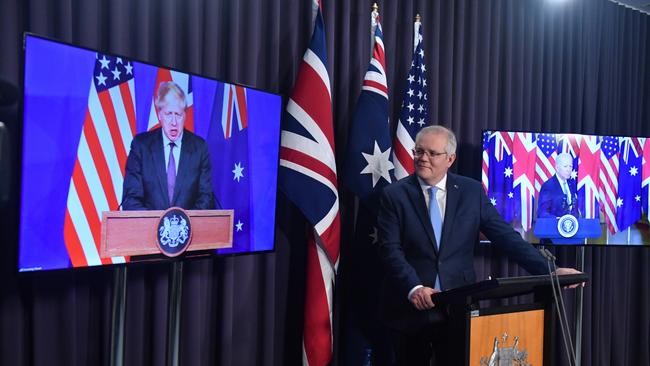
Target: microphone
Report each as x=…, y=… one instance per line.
x=559, y=305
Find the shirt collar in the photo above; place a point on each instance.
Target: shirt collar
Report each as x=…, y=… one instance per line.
x=166, y=140
x=442, y=184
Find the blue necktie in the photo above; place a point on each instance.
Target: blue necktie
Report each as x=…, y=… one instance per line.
x=434, y=214
x=436, y=222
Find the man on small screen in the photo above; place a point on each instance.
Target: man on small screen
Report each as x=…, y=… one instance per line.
x=558, y=197
x=428, y=226
x=168, y=166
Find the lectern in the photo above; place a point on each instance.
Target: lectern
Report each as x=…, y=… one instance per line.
x=520, y=334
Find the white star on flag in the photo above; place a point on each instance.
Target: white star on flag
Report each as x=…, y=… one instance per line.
x=239, y=225
x=493, y=201
x=238, y=172
x=104, y=61
x=116, y=74
x=101, y=79
x=637, y=198
x=129, y=68
x=508, y=172
x=379, y=164
x=411, y=78
x=619, y=202
x=511, y=195
x=574, y=174
x=634, y=171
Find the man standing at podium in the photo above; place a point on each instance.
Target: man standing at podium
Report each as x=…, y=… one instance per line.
x=558, y=197
x=428, y=226
x=168, y=166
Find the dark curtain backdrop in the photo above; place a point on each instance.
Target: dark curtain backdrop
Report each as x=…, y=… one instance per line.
x=579, y=66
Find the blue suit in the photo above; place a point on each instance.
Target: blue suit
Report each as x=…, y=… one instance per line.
x=145, y=180
x=407, y=244
x=553, y=201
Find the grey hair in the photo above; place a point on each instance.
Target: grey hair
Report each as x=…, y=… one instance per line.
x=450, y=149
x=563, y=157
x=166, y=88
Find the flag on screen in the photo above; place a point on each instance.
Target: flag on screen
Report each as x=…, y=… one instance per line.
x=588, y=176
x=184, y=81
x=524, y=162
x=368, y=163
x=501, y=174
x=546, y=154
x=628, y=204
x=98, y=174
x=414, y=113
x=646, y=177
x=608, y=180
x=485, y=166
x=307, y=176
x=231, y=171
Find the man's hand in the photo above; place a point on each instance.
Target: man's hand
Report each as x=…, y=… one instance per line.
x=560, y=271
x=421, y=298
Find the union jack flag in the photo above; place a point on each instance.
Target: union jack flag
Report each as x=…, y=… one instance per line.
x=307, y=175
x=233, y=113
x=608, y=180
x=414, y=114
x=98, y=174
x=184, y=81
x=646, y=178
x=588, y=176
x=546, y=154
x=628, y=204
x=524, y=161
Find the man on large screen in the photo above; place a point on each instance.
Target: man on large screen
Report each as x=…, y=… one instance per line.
x=557, y=196
x=168, y=166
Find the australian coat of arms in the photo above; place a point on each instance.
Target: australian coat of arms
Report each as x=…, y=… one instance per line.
x=506, y=356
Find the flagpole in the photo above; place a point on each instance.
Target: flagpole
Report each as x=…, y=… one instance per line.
x=118, y=314
x=416, y=31
x=580, y=263
x=373, y=24
x=174, y=313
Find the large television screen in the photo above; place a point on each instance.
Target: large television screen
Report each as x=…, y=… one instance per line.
x=81, y=111
x=535, y=179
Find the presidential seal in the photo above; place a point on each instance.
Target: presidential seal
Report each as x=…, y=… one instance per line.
x=567, y=226
x=174, y=232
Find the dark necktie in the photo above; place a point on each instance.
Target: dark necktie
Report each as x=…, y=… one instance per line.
x=171, y=172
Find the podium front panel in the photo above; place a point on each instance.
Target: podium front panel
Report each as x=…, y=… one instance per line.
x=503, y=338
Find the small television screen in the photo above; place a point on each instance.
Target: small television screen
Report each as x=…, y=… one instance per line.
x=95, y=139
x=564, y=188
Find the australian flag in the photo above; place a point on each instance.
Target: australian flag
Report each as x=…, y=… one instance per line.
x=629, y=183
x=228, y=142
x=368, y=164
x=501, y=173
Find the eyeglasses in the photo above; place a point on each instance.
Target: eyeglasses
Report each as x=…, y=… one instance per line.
x=429, y=153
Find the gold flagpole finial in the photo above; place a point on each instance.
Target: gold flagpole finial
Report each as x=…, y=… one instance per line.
x=375, y=7
x=417, y=18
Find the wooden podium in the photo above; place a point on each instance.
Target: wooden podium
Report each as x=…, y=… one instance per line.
x=524, y=333
x=129, y=233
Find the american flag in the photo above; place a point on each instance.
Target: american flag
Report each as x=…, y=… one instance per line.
x=546, y=154
x=588, y=176
x=98, y=175
x=184, y=81
x=608, y=180
x=414, y=114
x=628, y=204
x=646, y=177
x=485, y=166
x=307, y=175
x=368, y=162
x=524, y=160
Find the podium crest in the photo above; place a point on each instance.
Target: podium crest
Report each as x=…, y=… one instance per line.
x=504, y=355
x=174, y=232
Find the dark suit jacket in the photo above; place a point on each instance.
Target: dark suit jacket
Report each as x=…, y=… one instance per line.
x=407, y=244
x=145, y=180
x=552, y=200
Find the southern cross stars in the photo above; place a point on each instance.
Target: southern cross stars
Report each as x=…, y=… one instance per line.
x=238, y=171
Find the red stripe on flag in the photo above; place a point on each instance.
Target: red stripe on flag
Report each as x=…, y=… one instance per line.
x=311, y=95
x=241, y=103
x=376, y=85
x=125, y=91
x=189, y=119
x=99, y=161
x=330, y=239
x=378, y=54
x=111, y=121
x=404, y=157
x=88, y=205
x=317, y=336
x=229, y=114
x=308, y=162
x=72, y=243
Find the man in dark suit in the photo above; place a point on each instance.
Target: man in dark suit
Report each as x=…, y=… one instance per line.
x=557, y=196
x=168, y=166
x=428, y=226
